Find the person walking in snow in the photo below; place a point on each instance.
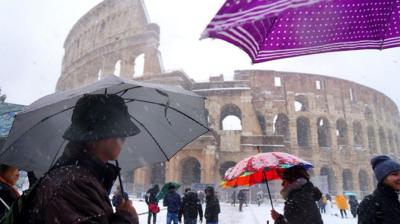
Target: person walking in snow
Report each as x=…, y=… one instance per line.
x=300, y=198
x=382, y=206
x=260, y=196
x=212, y=206
x=322, y=204
x=191, y=208
x=242, y=199
x=353, y=205
x=233, y=198
x=342, y=205
x=152, y=203
x=173, y=203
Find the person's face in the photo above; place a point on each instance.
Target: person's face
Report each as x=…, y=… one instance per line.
x=112, y=147
x=11, y=176
x=393, y=180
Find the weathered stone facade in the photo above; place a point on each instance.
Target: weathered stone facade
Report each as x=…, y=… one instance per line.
x=335, y=124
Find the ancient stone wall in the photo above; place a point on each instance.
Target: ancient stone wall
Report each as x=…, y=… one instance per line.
x=336, y=124
x=112, y=34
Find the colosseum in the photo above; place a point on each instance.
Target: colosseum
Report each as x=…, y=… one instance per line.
x=334, y=123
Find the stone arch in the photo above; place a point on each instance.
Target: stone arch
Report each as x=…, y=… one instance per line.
x=281, y=126
x=301, y=103
x=347, y=180
x=230, y=110
x=324, y=136
x=357, y=134
x=303, y=131
x=325, y=171
x=99, y=74
x=158, y=173
x=396, y=138
x=372, y=139
x=225, y=166
x=139, y=66
x=342, y=132
x=364, y=183
x=117, y=68
x=190, y=171
x=261, y=122
x=382, y=141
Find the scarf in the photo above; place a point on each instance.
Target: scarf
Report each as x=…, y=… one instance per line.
x=297, y=184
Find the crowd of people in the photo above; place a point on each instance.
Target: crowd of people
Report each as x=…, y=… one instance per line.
x=76, y=188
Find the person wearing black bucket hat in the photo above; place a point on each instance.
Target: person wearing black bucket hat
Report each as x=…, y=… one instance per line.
x=382, y=206
x=76, y=189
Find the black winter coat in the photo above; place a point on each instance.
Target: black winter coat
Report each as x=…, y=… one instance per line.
x=76, y=190
x=212, y=209
x=301, y=207
x=8, y=195
x=353, y=205
x=151, y=196
x=380, y=207
x=173, y=202
x=191, y=207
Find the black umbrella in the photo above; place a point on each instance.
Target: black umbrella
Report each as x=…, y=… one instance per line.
x=168, y=119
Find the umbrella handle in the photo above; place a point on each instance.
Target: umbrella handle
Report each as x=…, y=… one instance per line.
x=120, y=181
x=269, y=191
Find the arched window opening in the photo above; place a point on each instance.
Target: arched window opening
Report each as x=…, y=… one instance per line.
x=117, y=68
x=347, y=180
x=372, y=140
x=191, y=171
x=357, y=134
x=158, y=174
x=139, y=66
x=281, y=126
x=225, y=166
x=341, y=132
x=303, y=131
x=323, y=132
x=301, y=103
x=231, y=118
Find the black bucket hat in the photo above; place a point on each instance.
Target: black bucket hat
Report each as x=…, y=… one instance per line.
x=100, y=116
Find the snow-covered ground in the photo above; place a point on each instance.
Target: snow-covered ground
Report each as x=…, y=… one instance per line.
x=250, y=215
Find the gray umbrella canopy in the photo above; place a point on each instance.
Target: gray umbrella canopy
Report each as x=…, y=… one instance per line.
x=169, y=118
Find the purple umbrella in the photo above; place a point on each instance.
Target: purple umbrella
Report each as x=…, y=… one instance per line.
x=268, y=30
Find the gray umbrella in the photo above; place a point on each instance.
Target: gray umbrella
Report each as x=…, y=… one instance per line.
x=169, y=118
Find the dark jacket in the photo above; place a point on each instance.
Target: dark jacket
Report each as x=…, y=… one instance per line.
x=353, y=205
x=172, y=201
x=242, y=196
x=76, y=190
x=151, y=195
x=380, y=207
x=8, y=195
x=300, y=206
x=191, y=206
x=212, y=209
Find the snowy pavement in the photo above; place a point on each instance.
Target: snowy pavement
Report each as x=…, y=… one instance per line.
x=250, y=215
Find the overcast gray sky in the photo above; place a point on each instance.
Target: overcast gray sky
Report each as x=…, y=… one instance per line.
x=33, y=32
